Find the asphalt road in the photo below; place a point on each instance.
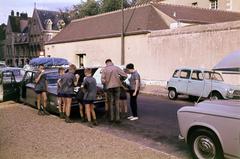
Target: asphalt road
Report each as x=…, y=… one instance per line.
x=157, y=127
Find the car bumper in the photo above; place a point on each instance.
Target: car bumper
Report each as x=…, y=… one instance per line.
x=181, y=138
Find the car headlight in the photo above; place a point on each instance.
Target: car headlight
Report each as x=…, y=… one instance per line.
x=230, y=93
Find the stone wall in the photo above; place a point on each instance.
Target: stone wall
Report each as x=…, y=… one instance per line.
x=196, y=46
x=157, y=54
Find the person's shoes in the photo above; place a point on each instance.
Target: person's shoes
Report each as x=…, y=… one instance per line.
x=45, y=111
x=61, y=115
x=130, y=117
x=134, y=118
x=68, y=120
x=40, y=112
x=83, y=120
x=95, y=123
x=90, y=124
x=125, y=116
x=118, y=122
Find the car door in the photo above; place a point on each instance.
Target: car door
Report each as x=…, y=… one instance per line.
x=27, y=92
x=10, y=86
x=196, y=83
x=182, y=83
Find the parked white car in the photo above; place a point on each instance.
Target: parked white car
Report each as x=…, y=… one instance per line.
x=211, y=129
x=200, y=82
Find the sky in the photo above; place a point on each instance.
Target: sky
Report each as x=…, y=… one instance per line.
x=27, y=6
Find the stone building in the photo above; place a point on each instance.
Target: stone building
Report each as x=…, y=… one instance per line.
x=17, y=41
x=43, y=27
x=25, y=36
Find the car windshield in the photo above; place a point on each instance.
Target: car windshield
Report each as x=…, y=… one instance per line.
x=212, y=76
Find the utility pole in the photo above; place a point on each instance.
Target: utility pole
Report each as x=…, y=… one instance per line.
x=122, y=38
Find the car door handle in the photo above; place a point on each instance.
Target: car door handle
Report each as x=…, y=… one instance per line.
x=189, y=82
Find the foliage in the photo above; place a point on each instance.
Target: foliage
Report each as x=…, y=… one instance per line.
x=2, y=31
x=93, y=7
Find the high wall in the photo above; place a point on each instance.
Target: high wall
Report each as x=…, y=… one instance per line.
x=97, y=51
x=196, y=46
x=157, y=54
x=231, y=5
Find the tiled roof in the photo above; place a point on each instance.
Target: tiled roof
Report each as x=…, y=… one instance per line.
x=44, y=15
x=140, y=19
x=198, y=15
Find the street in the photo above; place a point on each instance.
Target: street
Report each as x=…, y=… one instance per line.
x=26, y=135
x=157, y=127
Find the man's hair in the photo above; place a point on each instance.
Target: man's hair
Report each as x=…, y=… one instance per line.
x=130, y=66
x=108, y=60
x=72, y=68
x=60, y=69
x=88, y=71
x=41, y=65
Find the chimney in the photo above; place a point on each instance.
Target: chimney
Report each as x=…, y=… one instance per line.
x=12, y=13
x=23, y=21
x=17, y=14
x=24, y=16
x=49, y=24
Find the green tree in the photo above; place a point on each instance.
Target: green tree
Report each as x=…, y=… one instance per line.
x=88, y=8
x=111, y=5
x=2, y=31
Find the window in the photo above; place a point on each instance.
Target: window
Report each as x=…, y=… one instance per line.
x=185, y=74
x=176, y=74
x=8, y=77
x=197, y=75
x=194, y=4
x=81, y=60
x=213, y=4
x=212, y=76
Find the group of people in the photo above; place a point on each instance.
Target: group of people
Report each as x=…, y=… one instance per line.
x=112, y=78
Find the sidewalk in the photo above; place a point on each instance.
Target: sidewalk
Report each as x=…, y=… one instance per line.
x=24, y=134
x=155, y=90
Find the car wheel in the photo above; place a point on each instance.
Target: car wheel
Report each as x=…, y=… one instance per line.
x=205, y=144
x=215, y=96
x=172, y=94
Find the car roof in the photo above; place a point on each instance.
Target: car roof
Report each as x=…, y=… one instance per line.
x=193, y=68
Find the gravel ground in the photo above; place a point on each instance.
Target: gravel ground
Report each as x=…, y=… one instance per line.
x=25, y=135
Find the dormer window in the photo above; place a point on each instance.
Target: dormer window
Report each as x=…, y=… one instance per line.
x=49, y=24
x=61, y=24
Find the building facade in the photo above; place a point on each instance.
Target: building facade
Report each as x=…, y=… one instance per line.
x=43, y=27
x=25, y=37
x=151, y=44
x=17, y=41
x=229, y=5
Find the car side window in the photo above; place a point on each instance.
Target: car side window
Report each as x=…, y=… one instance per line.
x=8, y=77
x=176, y=74
x=197, y=75
x=185, y=74
x=29, y=77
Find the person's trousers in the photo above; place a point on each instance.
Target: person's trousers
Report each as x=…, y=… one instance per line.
x=113, y=95
x=133, y=103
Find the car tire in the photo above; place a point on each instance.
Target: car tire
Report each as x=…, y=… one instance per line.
x=193, y=98
x=172, y=94
x=215, y=96
x=205, y=144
